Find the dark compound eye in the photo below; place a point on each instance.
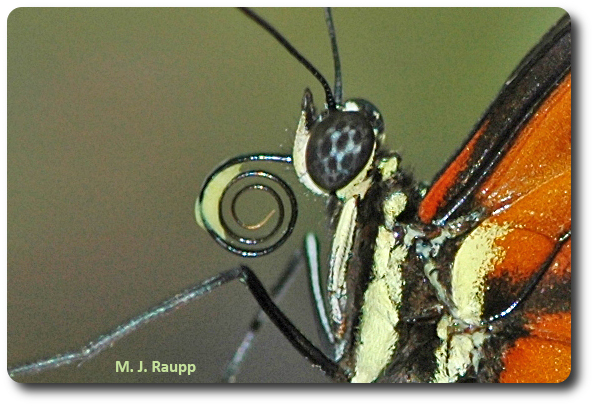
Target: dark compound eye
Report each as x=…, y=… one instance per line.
x=371, y=113
x=338, y=149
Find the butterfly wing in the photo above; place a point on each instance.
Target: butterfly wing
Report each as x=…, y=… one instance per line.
x=515, y=170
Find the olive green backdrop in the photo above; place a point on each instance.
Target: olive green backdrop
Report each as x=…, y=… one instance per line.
x=116, y=116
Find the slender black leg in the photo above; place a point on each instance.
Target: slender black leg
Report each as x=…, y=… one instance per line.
x=243, y=273
x=277, y=291
x=291, y=333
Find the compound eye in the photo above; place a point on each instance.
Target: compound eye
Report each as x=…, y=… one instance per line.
x=338, y=149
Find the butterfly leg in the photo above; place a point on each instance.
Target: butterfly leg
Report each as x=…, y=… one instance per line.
x=245, y=275
x=277, y=291
x=310, y=257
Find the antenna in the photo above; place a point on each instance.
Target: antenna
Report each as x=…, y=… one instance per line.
x=330, y=101
x=334, y=44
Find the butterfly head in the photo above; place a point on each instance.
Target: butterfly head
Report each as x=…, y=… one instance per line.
x=334, y=150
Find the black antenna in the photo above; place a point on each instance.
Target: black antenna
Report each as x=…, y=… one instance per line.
x=334, y=44
x=330, y=101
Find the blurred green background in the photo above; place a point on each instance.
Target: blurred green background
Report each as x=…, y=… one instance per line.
x=116, y=116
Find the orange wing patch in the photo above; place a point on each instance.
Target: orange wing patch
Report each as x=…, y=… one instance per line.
x=545, y=354
x=542, y=357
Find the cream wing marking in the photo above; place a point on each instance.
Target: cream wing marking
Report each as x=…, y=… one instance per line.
x=477, y=257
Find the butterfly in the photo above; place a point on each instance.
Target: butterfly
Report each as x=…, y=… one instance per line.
x=112, y=303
